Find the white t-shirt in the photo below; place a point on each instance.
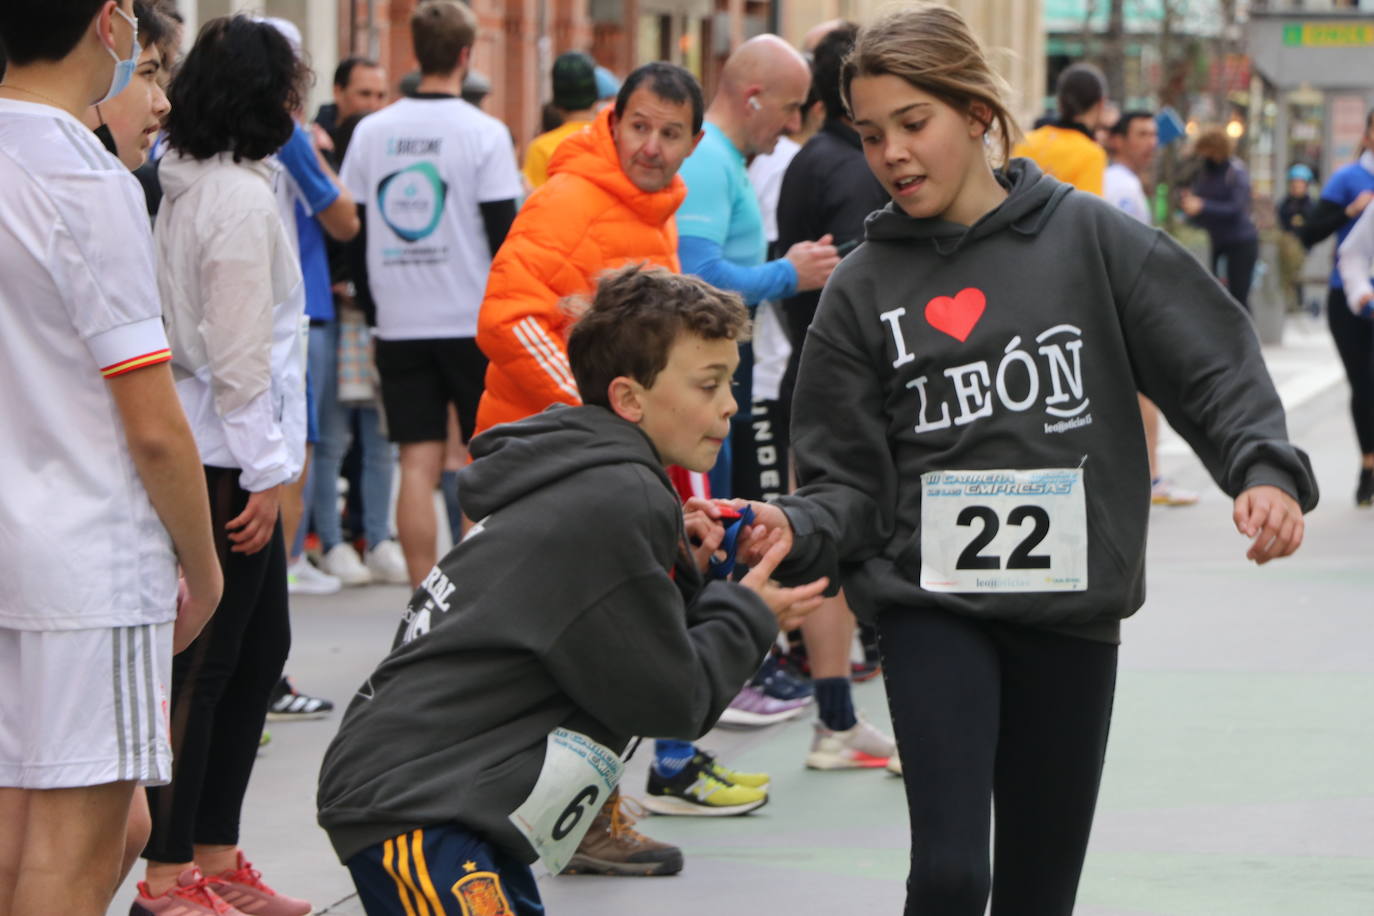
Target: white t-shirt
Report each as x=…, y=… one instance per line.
x=765, y=174
x=772, y=349
x=1123, y=190
x=80, y=544
x=421, y=167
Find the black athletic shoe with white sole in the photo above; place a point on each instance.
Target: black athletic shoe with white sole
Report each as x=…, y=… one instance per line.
x=287, y=704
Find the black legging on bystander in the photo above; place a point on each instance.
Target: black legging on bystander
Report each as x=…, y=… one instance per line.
x=1354, y=337
x=220, y=690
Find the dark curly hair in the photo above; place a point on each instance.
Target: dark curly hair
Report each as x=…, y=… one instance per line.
x=235, y=90
x=636, y=315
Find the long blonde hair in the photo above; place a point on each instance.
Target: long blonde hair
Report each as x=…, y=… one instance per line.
x=932, y=48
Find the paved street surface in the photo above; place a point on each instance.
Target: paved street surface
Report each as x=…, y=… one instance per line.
x=1239, y=780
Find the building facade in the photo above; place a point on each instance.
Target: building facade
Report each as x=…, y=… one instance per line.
x=519, y=39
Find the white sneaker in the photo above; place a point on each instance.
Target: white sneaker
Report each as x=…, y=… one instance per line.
x=1164, y=492
x=343, y=563
x=388, y=563
x=860, y=747
x=302, y=578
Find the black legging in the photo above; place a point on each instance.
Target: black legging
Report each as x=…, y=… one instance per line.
x=220, y=690
x=1240, y=267
x=1354, y=338
x=984, y=709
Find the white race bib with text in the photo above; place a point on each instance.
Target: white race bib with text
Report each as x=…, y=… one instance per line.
x=1004, y=531
x=577, y=778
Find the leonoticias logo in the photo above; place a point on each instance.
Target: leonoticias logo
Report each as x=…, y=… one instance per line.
x=412, y=200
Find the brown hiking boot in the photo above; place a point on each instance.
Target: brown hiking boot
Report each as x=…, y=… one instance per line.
x=613, y=847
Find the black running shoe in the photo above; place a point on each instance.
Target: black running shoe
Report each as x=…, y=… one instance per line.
x=287, y=704
x=1364, y=492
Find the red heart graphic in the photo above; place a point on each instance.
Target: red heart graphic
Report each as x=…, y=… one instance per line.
x=957, y=315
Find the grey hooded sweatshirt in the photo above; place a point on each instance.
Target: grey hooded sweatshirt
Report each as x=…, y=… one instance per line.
x=1018, y=343
x=572, y=603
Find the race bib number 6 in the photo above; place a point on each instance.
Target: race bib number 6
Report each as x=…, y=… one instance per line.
x=1004, y=531
x=578, y=776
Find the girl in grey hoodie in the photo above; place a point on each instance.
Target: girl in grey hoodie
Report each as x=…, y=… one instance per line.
x=973, y=466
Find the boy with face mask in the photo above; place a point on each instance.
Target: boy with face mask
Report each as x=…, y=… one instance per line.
x=127, y=123
x=104, y=493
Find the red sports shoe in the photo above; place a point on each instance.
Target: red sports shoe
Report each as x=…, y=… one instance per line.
x=244, y=889
x=191, y=896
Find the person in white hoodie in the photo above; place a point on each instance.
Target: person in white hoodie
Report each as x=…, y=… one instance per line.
x=233, y=299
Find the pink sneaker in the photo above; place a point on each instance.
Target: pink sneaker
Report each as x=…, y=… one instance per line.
x=191, y=896
x=244, y=890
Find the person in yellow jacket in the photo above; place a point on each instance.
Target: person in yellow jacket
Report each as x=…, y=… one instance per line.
x=1066, y=148
x=575, y=94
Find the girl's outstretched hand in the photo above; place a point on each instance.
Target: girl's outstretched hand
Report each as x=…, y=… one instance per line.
x=768, y=519
x=1273, y=519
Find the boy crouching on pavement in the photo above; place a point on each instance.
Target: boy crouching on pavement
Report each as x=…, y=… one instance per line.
x=571, y=618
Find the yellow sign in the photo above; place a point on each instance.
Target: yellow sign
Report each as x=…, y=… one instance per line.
x=1329, y=34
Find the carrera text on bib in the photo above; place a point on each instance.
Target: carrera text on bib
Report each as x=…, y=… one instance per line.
x=578, y=776
x=1004, y=531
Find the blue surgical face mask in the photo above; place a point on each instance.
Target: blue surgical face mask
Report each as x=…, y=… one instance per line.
x=124, y=69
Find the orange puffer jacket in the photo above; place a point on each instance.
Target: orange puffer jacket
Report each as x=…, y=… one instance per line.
x=587, y=218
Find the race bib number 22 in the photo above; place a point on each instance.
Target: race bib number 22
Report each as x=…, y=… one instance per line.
x=1004, y=531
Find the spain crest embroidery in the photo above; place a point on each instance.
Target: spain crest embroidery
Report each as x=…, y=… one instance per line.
x=480, y=894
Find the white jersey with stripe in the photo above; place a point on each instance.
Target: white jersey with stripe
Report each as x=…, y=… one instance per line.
x=80, y=543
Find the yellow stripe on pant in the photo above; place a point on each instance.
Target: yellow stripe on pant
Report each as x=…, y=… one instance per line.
x=388, y=856
x=403, y=866
x=417, y=846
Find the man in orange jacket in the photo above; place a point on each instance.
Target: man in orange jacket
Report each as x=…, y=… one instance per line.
x=610, y=200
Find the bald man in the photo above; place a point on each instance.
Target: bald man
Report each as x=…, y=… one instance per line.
x=763, y=87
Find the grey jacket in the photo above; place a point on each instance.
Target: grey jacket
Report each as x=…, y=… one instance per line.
x=573, y=603
x=1018, y=342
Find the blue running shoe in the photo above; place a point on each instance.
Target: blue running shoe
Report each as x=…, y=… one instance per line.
x=779, y=683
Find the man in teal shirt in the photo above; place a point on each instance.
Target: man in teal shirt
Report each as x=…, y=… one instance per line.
x=763, y=87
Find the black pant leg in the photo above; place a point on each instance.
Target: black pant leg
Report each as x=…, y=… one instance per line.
x=744, y=470
x=762, y=474
x=243, y=706
x=205, y=715
x=1056, y=708
x=943, y=687
x=1240, y=269
x=1354, y=337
